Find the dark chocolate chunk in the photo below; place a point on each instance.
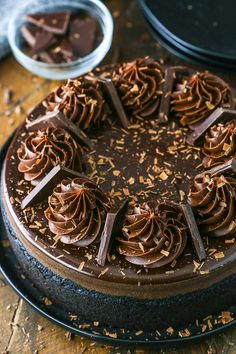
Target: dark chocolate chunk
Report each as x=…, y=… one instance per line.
x=82, y=33
x=50, y=57
x=172, y=74
x=43, y=40
x=46, y=185
x=111, y=228
x=229, y=166
x=54, y=22
x=66, y=49
x=29, y=34
x=56, y=119
x=219, y=114
x=194, y=232
x=112, y=98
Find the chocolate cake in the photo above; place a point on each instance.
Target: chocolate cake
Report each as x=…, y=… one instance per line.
x=118, y=196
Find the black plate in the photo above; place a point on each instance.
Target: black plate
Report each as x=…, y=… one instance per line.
x=203, y=26
x=13, y=274
x=187, y=54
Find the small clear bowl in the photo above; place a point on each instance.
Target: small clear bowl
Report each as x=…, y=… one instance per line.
x=64, y=70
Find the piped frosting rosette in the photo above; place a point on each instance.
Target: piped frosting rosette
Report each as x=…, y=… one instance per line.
x=196, y=98
x=76, y=212
x=139, y=84
x=213, y=200
x=153, y=235
x=46, y=148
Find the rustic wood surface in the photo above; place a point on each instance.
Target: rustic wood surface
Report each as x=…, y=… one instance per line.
x=22, y=330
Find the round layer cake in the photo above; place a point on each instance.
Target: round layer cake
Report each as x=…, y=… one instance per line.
x=127, y=179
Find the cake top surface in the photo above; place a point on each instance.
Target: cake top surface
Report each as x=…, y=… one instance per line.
x=150, y=164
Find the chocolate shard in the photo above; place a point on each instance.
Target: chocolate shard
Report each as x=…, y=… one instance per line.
x=56, y=119
x=229, y=166
x=50, y=56
x=194, y=232
x=219, y=114
x=43, y=40
x=46, y=185
x=111, y=228
x=66, y=49
x=82, y=33
x=29, y=34
x=53, y=22
x=172, y=74
x=112, y=98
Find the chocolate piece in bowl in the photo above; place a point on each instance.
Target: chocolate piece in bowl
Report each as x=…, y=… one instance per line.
x=82, y=35
x=167, y=266
x=61, y=36
x=54, y=22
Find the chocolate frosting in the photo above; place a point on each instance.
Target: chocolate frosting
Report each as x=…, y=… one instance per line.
x=220, y=144
x=153, y=235
x=80, y=101
x=46, y=148
x=195, y=99
x=213, y=200
x=139, y=84
x=76, y=211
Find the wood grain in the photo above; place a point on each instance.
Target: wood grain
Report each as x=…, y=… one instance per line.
x=22, y=330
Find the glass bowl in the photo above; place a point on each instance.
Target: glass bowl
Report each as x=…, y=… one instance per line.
x=63, y=70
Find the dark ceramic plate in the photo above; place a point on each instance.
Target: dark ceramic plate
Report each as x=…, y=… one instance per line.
x=206, y=27
x=13, y=274
x=187, y=54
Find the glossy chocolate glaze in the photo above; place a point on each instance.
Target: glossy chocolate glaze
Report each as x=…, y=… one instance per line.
x=132, y=153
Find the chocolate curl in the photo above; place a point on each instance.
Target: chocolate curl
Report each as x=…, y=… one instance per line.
x=56, y=119
x=111, y=228
x=219, y=114
x=229, y=166
x=46, y=185
x=171, y=75
x=194, y=232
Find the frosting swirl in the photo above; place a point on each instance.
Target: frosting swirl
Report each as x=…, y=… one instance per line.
x=196, y=98
x=46, y=148
x=80, y=101
x=154, y=235
x=213, y=200
x=76, y=210
x=139, y=84
x=220, y=144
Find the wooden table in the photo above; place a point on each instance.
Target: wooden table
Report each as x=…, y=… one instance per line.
x=22, y=330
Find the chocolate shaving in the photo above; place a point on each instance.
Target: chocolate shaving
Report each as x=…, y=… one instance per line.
x=56, y=119
x=194, y=232
x=111, y=228
x=229, y=166
x=45, y=186
x=219, y=114
x=171, y=74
